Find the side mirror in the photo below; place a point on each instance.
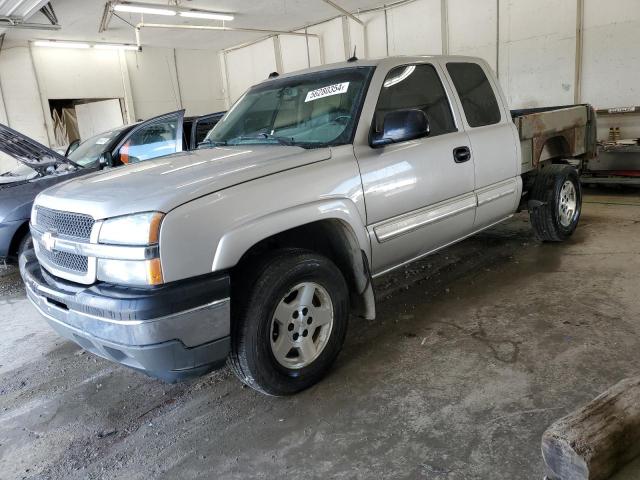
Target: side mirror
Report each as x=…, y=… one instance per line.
x=106, y=160
x=399, y=126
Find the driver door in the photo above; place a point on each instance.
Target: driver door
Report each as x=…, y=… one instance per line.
x=418, y=193
x=156, y=137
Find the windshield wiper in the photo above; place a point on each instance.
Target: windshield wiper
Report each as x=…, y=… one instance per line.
x=265, y=136
x=212, y=143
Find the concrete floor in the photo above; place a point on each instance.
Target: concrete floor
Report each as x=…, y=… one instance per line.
x=475, y=352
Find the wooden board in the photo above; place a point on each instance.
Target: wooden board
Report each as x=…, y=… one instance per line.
x=597, y=440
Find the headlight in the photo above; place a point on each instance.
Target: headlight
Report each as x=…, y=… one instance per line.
x=138, y=229
x=130, y=272
x=131, y=230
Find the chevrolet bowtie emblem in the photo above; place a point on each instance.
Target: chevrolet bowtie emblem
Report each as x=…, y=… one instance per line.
x=48, y=241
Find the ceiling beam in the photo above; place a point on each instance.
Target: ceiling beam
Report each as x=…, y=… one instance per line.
x=106, y=18
x=343, y=11
x=181, y=26
x=8, y=22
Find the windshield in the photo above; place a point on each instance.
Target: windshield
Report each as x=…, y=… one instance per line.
x=16, y=173
x=311, y=110
x=89, y=151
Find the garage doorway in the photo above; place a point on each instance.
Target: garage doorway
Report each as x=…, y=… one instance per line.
x=79, y=119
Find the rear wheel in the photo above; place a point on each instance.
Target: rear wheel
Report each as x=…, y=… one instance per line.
x=291, y=324
x=556, y=203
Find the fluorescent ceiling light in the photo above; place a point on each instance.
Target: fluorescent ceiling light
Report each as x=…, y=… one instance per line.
x=49, y=43
x=113, y=46
x=99, y=46
x=152, y=9
x=206, y=15
x=125, y=7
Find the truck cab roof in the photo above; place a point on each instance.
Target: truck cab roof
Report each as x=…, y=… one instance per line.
x=385, y=63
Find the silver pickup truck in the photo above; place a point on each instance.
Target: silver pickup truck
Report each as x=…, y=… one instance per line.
x=258, y=246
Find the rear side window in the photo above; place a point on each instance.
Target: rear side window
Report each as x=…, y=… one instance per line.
x=416, y=86
x=475, y=92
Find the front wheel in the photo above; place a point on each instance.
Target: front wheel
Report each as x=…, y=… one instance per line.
x=291, y=324
x=556, y=203
x=26, y=243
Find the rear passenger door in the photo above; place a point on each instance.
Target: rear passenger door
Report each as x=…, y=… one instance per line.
x=418, y=193
x=493, y=139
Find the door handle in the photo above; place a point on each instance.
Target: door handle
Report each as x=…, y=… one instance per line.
x=461, y=154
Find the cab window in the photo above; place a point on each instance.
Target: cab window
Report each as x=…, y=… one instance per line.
x=419, y=87
x=476, y=95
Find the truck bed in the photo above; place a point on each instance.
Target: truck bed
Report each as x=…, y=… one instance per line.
x=559, y=132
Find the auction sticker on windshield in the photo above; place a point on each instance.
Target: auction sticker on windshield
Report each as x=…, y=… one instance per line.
x=337, y=89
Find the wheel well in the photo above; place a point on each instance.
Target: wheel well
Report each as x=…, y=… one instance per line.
x=529, y=179
x=336, y=241
x=17, y=238
x=554, y=148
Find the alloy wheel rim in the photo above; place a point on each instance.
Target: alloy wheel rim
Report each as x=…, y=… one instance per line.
x=301, y=325
x=568, y=203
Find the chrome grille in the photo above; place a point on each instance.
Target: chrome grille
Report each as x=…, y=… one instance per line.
x=68, y=261
x=75, y=225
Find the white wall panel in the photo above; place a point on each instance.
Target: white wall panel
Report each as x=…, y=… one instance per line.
x=294, y=52
x=154, y=84
x=537, y=52
x=76, y=74
x=472, y=28
x=249, y=65
x=376, y=38
x=356, y=39
x=97, y=117
x=3, y=113
x=415, y=28
x=222, y=61
x=332, y=40
x=611, y=53
x=70, y=73
x=147, y=80
x=200, y=81
x=21, y=94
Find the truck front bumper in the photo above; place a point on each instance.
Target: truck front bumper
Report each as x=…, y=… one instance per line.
x=171, y=332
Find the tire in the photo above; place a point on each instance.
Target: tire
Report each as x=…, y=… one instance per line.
x=550, y=211
x=26, y=243
x=262, y=322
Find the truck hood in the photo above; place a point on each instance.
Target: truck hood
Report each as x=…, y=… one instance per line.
x=30, y=152
x=167, y=182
